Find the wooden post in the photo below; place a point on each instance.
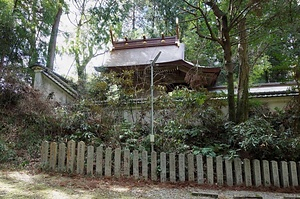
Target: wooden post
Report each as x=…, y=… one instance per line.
x=80, y=157
x=210, y=170
x=153, y=166
x=136, y=171
x=145, y=165
x=266, y=173
x=45, y=153
x=99, y=161
x=172, y=166
x=284, y=174
x=117, y=164
x=200, y=173
x=107, y=169
x=228, y=168
x=247, y=170
x=275, y=174
x=71, y=156
x=256, y=172
x=127, y=162
x=191, y=167
x=238, y=171
x=163, y=167
x=219, y=168
x=90, y=160
x=181, y=168
x=53, y=155
x=61, y=157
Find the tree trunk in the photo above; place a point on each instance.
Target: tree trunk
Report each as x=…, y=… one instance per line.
x=53, y=38
x=244, y=70
x=226, y=44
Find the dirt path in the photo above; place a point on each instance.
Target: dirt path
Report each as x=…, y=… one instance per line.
x=25, y=184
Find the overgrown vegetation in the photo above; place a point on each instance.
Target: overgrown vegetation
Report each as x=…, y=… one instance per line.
x=185, y=121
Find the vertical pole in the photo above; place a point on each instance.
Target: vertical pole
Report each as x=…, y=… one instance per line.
x=152, y=108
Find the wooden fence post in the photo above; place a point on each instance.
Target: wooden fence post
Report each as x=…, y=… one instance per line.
x=256, y=173
x=275, y=173
x=145, y=165
x=80, y=157
x=127, y=162
x=219, y=169
x=210, y=170
x=99, y=161
x=107, y=171
x=90, y=160
x=191, y=167
x=200, y=172
x=45, y=153
x=153, y=166
x=117, y=164
x=163, y=167
x=172, y=166
x=181, y=168
x=293, y=173
x=61, y=157
x=247, y=170
x=228, y=168
x=266, y=173
x=284, y=174
x=238, y=171
x=71, y=156
x=53, y=155
x=135, y=162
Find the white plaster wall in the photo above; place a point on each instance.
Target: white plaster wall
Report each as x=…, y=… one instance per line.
x=46, y=86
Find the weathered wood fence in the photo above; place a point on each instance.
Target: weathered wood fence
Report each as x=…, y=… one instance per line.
x=168, y=167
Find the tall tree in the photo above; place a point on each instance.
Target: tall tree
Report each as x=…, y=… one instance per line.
x=223, y=22
x=25, y=30
x=92, y=20
x=54, y=34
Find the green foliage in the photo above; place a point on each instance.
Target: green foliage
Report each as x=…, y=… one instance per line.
x=6, y=153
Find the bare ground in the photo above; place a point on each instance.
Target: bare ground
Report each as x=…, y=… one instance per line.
x=35, y=184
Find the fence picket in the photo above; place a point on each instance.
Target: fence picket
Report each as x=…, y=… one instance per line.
x=200, y=173
x=210, y=170
x=256, y=172
x=136, y=164
x=80, y=157
x=153, y=166
x=229, y=176
x=53, y=155
x=293, y=173
x=247, y=171
x=284, y=174
x=45, y=153
x=172, y=167
x=181, y=168
x=163, y=167
x=117, y=164
x=275, y=174
x=107, y=170
x=145, y=165
x=99, y=161
x=61, y=156
x=90, y=160
x=71, y=156
x=191, y=167
x=238, y=171
x=266, y=173
x=127, y=162
x=219, y=169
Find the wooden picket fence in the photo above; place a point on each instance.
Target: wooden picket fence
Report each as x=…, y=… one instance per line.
x=168, y=167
